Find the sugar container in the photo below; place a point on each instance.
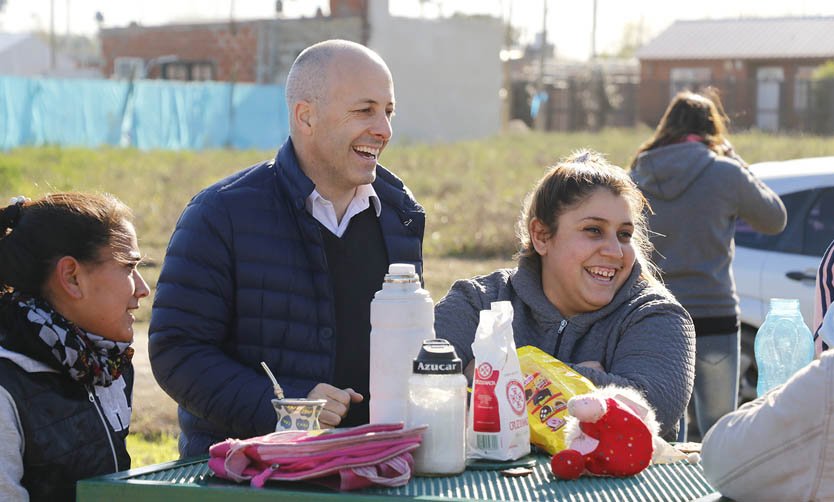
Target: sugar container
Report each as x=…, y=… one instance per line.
x=437, y=398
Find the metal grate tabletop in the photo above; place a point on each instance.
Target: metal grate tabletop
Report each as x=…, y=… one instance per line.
x=192, y=480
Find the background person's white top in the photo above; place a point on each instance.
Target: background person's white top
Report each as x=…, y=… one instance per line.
x=780, y=446
x=323, y=210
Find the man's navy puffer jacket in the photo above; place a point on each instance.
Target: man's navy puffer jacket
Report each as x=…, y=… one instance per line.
x=245, y=280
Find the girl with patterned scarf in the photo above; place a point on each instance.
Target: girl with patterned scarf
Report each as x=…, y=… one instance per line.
x=69, y=286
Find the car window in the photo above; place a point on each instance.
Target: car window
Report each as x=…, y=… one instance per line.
x=795, y=204
x=819, y=225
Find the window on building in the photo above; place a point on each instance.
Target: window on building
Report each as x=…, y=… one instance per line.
x=175, y=71
x=802, y=88
x=202, y=71
x=691, y=79
x=188, y=70
x=129, y=68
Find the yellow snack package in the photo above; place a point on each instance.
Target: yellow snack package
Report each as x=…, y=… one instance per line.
x=548, y=384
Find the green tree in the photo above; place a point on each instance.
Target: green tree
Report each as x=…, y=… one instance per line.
x=822, y=94
x=824, y=71
x=633, y=36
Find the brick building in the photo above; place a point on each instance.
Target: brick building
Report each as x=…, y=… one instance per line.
x=258, y=51
x=443, y=68
x=762, y=67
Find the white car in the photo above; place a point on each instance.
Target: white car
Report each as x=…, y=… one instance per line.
x=783, y=265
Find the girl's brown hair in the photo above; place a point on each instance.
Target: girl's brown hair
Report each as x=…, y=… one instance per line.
x=691, y=113
x=34, y=235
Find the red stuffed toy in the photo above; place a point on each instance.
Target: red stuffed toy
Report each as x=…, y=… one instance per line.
x=610, y=432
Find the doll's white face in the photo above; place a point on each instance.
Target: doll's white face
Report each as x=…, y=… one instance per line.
x=586, y=408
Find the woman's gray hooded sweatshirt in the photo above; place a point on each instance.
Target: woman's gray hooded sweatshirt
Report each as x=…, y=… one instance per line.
x=643, y=338
x=697, y=196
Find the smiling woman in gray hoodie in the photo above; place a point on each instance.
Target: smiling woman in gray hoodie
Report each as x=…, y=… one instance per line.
x=698, y=189
x=584, y=291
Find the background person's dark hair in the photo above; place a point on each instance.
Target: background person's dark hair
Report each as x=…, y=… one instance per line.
x=691, y=113
x=34, y=235
x=569, y=183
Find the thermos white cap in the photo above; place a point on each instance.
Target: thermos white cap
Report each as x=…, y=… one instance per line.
x=401, y=269
x=401, y=273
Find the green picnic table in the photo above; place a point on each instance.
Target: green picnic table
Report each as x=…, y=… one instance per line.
x=191, y=479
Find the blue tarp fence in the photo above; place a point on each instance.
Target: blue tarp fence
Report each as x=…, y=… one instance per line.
x=146, y=114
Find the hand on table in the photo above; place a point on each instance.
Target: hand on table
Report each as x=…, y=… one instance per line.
x=338, y=403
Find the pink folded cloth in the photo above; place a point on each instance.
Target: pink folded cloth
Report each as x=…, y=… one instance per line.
x=360, y=456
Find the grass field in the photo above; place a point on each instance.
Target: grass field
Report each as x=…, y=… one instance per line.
x=472, y=192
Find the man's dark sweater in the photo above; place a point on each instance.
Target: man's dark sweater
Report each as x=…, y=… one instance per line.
x=358, y=263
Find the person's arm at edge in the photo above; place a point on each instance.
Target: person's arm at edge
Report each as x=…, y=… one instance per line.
x=770, y=448
x=11, y=451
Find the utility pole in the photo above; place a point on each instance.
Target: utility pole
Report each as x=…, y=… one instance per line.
x=594, y=34
x=542, y=59
x=506, y=105
x=52, y=35
x=366, y=24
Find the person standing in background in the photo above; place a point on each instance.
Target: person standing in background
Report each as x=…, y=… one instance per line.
x=699, y=188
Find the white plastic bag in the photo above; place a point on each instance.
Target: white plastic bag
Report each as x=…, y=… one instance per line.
x=497, y=427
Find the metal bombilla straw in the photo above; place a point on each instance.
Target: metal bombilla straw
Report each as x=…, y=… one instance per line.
x=279, y=392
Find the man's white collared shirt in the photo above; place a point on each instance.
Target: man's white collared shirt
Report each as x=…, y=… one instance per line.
x=323, y=210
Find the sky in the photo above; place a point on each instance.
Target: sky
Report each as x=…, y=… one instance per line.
x=569, y=22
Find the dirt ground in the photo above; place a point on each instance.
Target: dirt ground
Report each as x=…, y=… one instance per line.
x=153, y=411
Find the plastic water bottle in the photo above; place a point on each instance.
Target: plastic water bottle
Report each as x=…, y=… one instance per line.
x=437, y=398
x=783, y=344
x=402, y=316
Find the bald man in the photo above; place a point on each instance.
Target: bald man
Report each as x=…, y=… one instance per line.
x=279, y=262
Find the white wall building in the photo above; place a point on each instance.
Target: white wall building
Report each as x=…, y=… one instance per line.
x=447, y=71
x=447, y=74
x=28, y=55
